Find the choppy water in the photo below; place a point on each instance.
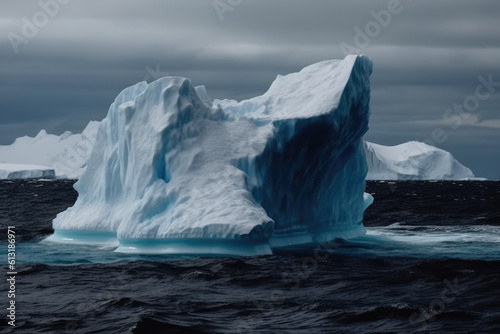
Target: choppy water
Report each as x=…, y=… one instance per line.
x=430, y=263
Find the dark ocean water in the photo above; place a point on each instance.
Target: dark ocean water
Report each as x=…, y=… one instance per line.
x=430, y=263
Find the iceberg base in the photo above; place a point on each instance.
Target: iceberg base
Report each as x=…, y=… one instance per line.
x=202, y=247
x=220, y=247
x=75, y=237
x=319, y=237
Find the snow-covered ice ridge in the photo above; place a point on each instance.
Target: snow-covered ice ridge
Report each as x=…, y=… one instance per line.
x=16, y=171
x=413, y=161
x=172, y=172
x=66, y=154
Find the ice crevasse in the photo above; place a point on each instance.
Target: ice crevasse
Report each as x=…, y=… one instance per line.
x=173, y=172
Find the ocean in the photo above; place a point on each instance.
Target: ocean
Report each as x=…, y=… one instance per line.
x=429, y=263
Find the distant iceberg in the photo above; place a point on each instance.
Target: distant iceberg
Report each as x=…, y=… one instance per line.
x=17, y=171
x=66, y=154
x=172, y=172
x=413, y=161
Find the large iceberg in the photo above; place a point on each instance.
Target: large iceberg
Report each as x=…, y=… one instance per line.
x=173, y=172
x=413, y=161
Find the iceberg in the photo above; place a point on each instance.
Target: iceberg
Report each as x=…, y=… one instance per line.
x=413, y=161
x=16, y=171
x=173, y=172
x=66, y=154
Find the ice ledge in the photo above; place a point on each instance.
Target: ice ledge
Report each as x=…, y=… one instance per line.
x=202, y=246
x=195, y=246
x=83, y=238
x=215, y=247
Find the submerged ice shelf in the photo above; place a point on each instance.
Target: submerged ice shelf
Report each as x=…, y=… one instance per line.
x=173, y=172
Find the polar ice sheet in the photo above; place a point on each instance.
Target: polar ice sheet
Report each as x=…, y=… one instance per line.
x=413, y=161
x=172, y=169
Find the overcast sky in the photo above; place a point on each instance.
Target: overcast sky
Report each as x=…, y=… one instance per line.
x=428, y=56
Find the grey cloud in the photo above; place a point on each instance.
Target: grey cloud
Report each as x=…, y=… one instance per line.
x=426, y=59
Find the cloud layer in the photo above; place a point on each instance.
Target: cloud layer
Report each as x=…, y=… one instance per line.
x=428, y=57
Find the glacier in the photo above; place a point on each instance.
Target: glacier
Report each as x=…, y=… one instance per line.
x=173, y=172
x=413, y=161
